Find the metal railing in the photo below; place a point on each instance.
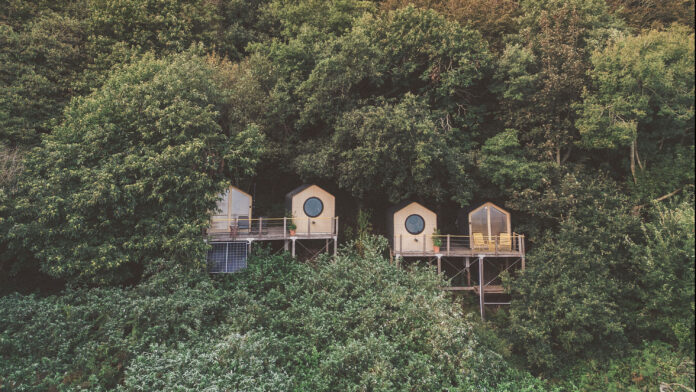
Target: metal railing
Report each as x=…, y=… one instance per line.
x=273, y=227
x=454, y=244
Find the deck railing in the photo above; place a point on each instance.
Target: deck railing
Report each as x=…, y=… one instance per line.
x=273, y=227
x=454, y=244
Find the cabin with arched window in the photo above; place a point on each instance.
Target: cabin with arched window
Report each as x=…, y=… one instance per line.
x=489, y=228
x=313, y=210
x=232, y=229
x=233, y=211
x=472, y=259
x=410, y=227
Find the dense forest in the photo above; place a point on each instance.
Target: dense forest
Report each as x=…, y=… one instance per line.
x=122, y=121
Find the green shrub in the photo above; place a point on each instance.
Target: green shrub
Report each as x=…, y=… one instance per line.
x=349, y=323
x=131, y=173
x=651, y=367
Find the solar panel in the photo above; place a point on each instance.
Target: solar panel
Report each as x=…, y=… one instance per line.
x=226, y=257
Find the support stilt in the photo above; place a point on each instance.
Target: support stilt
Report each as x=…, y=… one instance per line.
x=481, y=299
x=286, y=247
x=293, y=248
x=439, y=264
x=335, y=239
x=468, y=272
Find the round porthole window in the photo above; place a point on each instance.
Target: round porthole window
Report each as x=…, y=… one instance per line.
x=313, y=207
x=415, y=224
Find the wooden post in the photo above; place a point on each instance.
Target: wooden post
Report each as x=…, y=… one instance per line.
x=439, y=265
x=285, y=229
x=448, y=244
x=293, y=248
x=335, y=239
x=468, y=272
x=522, y=250
x=285, y=245
x=326, y=248
x=481, y=296
x=251, y=222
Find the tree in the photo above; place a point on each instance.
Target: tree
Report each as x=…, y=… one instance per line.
x=667, y=258
x=38, y=66
x=392, y=149
x=643, y=96
x=492, y=18
x=130, y=175
x=543, y=71
x=577, y=298
x=504, y=163
x=654, y=14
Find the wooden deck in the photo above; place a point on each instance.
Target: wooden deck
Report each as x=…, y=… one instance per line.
x=462, y=252
x=268, y=234
x=272, y=229
x=460, y=246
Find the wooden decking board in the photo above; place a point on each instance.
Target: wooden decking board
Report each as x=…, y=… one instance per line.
x=462, y=252
x=269, y=234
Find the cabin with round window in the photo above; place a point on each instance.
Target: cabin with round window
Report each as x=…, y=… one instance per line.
x=410, y=227
x=233, y=211
x=313, y=209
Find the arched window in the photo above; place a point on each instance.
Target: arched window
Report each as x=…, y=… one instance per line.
x=489, y=220
x=499, y=222
x=313, y=207
x=415, y=224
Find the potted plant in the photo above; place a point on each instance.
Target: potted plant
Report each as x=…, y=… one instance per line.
x=291, y=226
x=437, y=241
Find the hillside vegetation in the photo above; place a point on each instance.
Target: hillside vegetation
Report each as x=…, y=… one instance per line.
x=122, y=121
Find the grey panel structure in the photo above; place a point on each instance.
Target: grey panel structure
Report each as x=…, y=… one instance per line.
x=227, y=257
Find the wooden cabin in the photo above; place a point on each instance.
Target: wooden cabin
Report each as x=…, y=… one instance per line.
x=313, y=209
x=488, y=225
x=410, y=226
x=233, y=211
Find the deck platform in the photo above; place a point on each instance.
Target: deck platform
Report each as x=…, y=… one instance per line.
x=269, y=234
x=462, y=246
x=275, y=229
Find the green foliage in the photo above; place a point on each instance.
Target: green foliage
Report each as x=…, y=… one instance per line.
x=492, y=18
x=504, y=164
x=653, y=14
x=353, y=322
x=534, y=104
x=131, y=173
x=652, y=366
x=602, y=280
x=667, y=259
x=644, y=82
x=643, y=96
x=393, y=149
x=543, y=70
x=577, y=295
x=38, y=66
x=332, y=17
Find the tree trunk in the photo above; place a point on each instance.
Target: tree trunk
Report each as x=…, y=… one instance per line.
x=633, y=161
x=640, y=164
x=558, y=155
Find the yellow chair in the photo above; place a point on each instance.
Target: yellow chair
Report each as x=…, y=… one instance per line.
x=505, y=241
x=478, y=243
